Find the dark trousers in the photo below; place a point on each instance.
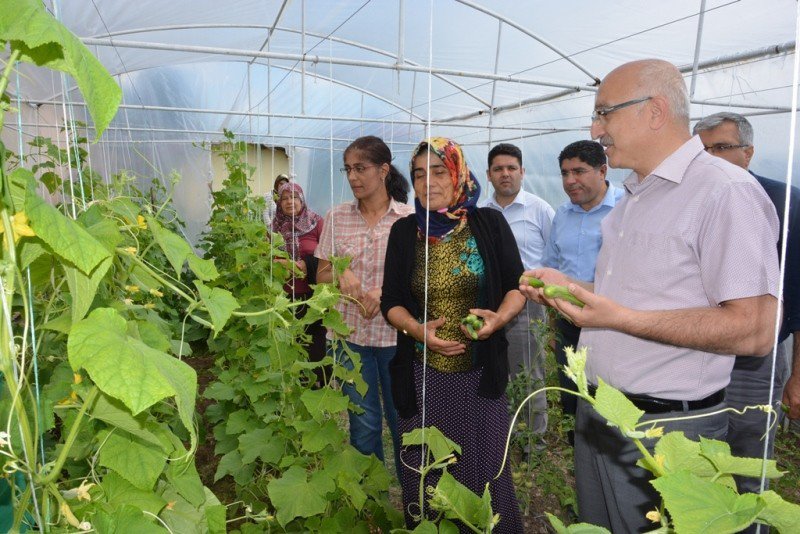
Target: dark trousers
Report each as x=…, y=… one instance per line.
x=567, y=335
x=613, y=491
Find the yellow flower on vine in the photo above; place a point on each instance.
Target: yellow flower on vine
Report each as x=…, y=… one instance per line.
x=654, y=516
x=132, y=289
x=156, y=293
x=149, y=306
x=140, y=222
x=655, y=432
x=130, y=250
x=19, y=226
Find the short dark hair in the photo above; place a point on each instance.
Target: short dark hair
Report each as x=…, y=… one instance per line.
x=505, y=149
x=589, y=152
x=378, y=152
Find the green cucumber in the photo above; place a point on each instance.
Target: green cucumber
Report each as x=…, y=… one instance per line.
x=561, y=292
x=530, y=281
x=472, y=323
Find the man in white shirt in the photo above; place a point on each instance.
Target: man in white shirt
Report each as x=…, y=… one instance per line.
x=530, y=219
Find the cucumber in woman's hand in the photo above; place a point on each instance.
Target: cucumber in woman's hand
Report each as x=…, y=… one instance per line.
x=472, y=323
x=561, y=292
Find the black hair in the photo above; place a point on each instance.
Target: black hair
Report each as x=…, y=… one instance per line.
x=278, y=181
x=377, y=152
x=505, y=149
x=589, y=152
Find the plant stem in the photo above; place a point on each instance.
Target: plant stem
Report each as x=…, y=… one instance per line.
x=15, y=54
x=71, y=437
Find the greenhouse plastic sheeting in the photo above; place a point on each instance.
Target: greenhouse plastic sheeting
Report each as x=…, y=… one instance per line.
x=312, y=75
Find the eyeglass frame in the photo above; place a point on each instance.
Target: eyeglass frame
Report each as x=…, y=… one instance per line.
x=602, y=113
x=722, y=147
x=346, y=171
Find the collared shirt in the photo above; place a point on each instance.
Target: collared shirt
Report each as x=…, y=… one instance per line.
x=345, y=233
x=530, y=219
x=696, y=232
x=575, y=237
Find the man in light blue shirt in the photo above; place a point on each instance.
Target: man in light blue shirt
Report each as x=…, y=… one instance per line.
x=575, y=238
x=530, y=219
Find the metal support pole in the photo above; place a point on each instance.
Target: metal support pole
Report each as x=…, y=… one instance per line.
x=697, y=46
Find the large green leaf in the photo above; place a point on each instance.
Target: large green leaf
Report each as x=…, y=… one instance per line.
x=697, y=505
x=183, y=476
x=317, y=436
x=457, y=502
x=65, y=237
x=579, y=528
x=111, y=411
x=439, y=444
x=128, y=369
x=83, y=288
x=782, y=515
x=124, y=520
x=220, y=304
x=44, y=41
x=719, y=454
x=682, y=454
x=119, y=491
x=616, y=408
x=323, y=401
x=174, y=247
x=134, y=459
x=202, y=269
x=293, y=495
x=261, y=443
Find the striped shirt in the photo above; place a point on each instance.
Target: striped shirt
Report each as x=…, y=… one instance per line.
x=345, y=233
x=696, y=232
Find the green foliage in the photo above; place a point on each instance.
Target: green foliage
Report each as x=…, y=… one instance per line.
x=43, y=41
x=279, y=434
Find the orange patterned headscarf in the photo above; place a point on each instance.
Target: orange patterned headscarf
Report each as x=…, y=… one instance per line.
x=449, y=220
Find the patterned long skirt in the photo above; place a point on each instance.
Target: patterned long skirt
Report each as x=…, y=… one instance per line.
x=479, y=426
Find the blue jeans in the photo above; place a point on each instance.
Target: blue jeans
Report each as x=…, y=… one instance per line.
x=366, y=428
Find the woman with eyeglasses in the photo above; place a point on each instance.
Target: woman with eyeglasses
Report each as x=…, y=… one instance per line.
x=359, y=231
x=447, y=261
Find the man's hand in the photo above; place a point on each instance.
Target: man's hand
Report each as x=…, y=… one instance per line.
x=350, y=285
x=597, y=312
x=546, y=275
x=371, y=300
x=435, y=344
x=791, y=396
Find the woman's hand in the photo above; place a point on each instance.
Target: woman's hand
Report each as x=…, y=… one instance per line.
x=435, y=344
x=491, y=323
x=350, y=285
x=372, y=303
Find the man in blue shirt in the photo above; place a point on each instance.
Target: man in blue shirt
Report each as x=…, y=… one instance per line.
x=530, y=218
x=730, y=137
x=575, y=237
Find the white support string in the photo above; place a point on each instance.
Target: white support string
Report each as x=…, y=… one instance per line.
x=784, y=233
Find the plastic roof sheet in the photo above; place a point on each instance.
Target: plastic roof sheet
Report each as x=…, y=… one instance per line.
x=312, y=75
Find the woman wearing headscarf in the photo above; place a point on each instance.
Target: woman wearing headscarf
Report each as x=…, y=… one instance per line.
x=446, y=261
x=271, y=199
x=301, y=229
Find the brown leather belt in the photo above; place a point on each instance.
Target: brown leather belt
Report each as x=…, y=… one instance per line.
x=655, y=405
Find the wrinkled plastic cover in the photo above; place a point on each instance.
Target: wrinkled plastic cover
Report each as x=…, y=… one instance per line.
x=293, y=109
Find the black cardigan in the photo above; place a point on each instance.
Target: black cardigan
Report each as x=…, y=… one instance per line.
x=501, y=259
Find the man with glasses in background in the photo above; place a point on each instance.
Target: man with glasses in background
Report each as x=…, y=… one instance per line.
x=730, y=137
x=686, y=277
x=575, y=238
x=530, y=219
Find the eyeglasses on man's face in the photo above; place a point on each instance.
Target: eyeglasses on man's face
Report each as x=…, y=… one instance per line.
x=600, y=114
x=356, y=169
x=719, y=148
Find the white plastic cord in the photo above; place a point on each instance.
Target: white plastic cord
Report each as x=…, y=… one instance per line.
x=784, y=232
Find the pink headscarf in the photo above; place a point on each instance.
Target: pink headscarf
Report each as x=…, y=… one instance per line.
x=291, y=227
